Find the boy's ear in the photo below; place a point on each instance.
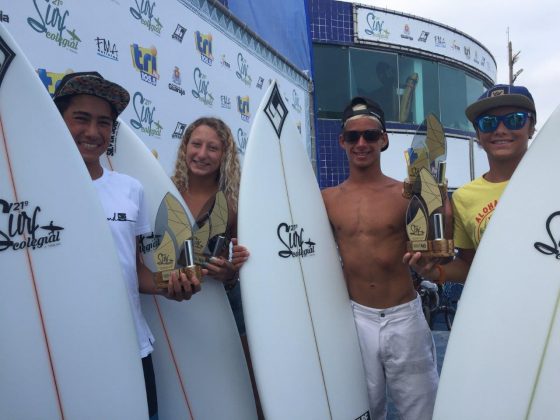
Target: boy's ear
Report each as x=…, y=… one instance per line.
x=341, y=140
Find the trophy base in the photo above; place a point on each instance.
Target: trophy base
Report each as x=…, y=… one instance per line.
x=441, y=248
x=162, y=278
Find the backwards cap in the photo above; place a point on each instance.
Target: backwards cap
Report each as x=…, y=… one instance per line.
x=362, y=107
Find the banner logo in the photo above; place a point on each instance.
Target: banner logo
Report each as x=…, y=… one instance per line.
x=406, y=33
x=145, y=61
x=179, y=33
x=201, y=91
x=243, y=108
x=179, y=130
x=51, y=21
x=375, y=27
x=242, y=72
x=145, y=114
x=439, y=41
x=203, y=44
x=50, y=79
x=423, y=36
x=225, y=101
x=107, y=49
x=175, y=84
x=144, y=12
x=242, y=139
x=224, y=62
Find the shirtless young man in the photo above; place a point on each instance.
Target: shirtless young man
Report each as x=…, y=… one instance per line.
x=367, y=213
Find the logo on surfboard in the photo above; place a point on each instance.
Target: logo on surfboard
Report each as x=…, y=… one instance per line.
x=23, y=229
x=276, y=110
x=553, y=249
x=292, y=237
x=7, y=57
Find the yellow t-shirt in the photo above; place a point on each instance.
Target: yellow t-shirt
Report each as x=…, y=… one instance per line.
x=473, y=205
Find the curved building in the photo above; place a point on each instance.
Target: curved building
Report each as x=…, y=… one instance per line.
x=411, y=66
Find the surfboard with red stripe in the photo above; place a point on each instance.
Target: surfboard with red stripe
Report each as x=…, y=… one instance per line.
x=200, y=368
x=68, y=347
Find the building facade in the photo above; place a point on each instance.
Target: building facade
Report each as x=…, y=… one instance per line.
x=411, y=66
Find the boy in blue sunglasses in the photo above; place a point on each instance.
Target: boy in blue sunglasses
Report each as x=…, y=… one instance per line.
x=504, y=118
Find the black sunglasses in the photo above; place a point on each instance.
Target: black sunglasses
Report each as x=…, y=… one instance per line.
x=512, y=121
x=370, y=136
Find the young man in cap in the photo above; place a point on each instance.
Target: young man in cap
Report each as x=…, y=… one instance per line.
x=367, y=213
x=504, y=119
x=90, y=105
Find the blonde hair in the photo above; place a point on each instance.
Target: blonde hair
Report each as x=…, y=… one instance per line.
x=230, y=172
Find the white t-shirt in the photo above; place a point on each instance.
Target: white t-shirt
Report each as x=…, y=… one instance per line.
x=122, y=198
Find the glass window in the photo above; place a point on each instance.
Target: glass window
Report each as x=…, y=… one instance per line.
x=331, y=80
x=418, y=89
x=374, y=74
x=475, y=87
x=407, y=88
x=458, y=90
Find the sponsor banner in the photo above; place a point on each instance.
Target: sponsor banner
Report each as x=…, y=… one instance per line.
x=178, y=62
x=373, y=25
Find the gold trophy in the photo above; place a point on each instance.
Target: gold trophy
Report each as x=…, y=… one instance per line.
x=209, y=236
x=175, y=251
x=427, y=224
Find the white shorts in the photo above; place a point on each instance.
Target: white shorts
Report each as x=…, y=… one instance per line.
x=399, y=357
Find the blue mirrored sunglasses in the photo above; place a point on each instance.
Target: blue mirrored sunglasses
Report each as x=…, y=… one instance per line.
x=512, y=121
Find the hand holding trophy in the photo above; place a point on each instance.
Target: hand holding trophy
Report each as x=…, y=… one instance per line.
x=428, y=221
x=175, y=250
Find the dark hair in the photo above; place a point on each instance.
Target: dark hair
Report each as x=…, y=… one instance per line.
x=64, y=102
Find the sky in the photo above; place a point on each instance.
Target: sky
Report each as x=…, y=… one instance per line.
x=532, y=30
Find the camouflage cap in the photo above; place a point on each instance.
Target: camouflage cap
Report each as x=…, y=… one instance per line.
x=92, y=83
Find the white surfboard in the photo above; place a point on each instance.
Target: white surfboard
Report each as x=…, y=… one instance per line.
x=69, y=349
x=502, y=359
x=200, y=367
x=300, y=327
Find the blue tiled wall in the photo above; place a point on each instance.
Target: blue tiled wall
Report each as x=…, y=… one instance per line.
x=332, y=164
x=332, y=22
